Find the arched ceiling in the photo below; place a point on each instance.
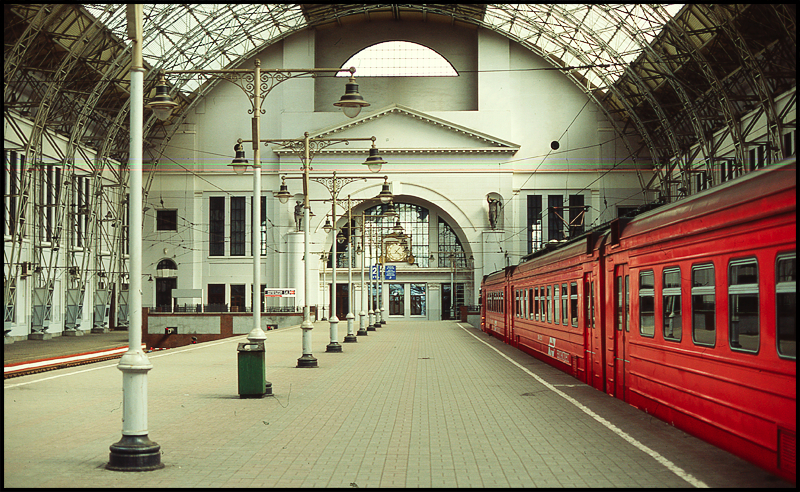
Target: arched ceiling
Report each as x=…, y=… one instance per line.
x=673, y=76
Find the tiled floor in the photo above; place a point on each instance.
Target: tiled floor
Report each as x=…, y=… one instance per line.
x=423, y=404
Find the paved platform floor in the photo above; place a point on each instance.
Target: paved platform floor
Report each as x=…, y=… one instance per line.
x=422, y=404
x=28, y=350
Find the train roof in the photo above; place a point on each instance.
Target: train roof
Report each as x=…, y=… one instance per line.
x=760, y=183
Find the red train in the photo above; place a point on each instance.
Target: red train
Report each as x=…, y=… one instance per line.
x=687, y=311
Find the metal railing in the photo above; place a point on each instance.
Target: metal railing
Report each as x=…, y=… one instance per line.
x=222, y=308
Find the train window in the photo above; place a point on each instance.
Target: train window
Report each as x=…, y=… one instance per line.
x=524, y=300
x=618, y=298
x=547, y=305
x=671, y=297
x=525, y=303
x=627, y=303
x=743, y=305
x=531, y=304
x=703, y=305
x=523, y=297
x=536, y=303
x=542, y=311
x=591, y=302
x=786, y=304
x=573, y=302
x=556, y=303
x=564, y=304
x=647, y=315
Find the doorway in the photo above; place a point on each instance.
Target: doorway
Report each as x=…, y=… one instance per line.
x=452, y=301
x=342, y=300
x=164, y=288
x=618, y=336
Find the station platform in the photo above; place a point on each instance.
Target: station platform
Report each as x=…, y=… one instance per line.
x=26, y=356
x=412, y=404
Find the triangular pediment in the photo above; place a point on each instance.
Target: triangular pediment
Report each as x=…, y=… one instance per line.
x=400, y=129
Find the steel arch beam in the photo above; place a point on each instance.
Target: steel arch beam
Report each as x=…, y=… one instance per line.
x=32, y=148
x=722, y=16
x=672, y=80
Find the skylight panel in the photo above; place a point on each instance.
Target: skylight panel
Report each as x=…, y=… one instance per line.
x=178, y=36
x=399, y=59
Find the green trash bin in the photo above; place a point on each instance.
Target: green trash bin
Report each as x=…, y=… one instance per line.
x=253, y=370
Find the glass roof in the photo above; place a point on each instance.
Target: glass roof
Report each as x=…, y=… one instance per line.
x=600, y=39
x=399, y=59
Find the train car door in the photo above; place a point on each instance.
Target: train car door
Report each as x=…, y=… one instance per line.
x=592, y=336
x=508, y=312
x=621, y=329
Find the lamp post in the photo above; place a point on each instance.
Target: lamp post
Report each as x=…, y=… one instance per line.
x=385, y=196
x=362, y=251
x=376, y=240
x=135, y=451
x=253, y=83
x=372, y=262
x=307, y=148
x=351, y=336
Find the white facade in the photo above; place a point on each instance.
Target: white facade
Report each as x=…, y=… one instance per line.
x=449, y=142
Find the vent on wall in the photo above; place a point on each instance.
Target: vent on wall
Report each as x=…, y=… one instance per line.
x=787, y=451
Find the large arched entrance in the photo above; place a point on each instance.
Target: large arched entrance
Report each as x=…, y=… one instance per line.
x=425, y=271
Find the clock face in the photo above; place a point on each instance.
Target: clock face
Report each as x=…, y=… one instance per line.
x=395, y=252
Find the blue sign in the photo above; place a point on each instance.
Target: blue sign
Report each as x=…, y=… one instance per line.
x=391, y=272
x=374, y=272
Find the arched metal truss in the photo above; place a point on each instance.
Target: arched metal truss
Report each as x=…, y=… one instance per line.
x=680, y=79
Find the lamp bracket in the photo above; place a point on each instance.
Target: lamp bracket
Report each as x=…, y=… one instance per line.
x=244, y=79
x=315, y=145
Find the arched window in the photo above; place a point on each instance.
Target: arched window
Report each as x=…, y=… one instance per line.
x=166, y=264
x=399, y=59
x=166, y=268
x=414, y=220
x=451, y=253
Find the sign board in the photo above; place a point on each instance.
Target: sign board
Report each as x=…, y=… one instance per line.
x=280, y=293
x=391, y=272
x=187, y=293
x=374, y=271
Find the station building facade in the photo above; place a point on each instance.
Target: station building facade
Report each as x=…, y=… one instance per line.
x=469, y=160
x=484, y=167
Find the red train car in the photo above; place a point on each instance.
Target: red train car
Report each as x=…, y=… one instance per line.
x=687, y=311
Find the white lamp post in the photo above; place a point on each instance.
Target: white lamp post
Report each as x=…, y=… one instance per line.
x=362, y=250
x=307, y=148
x=351, y=336
x=135, y=451
x=254, y=80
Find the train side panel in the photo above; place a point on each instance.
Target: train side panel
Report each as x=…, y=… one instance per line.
x=493, y=293
x=723, y=383
x=687, y=312
x=549, y=305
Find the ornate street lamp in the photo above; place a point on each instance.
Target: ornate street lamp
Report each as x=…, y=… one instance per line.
x=351, y=102
x=252, y=82
x=306, y=148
